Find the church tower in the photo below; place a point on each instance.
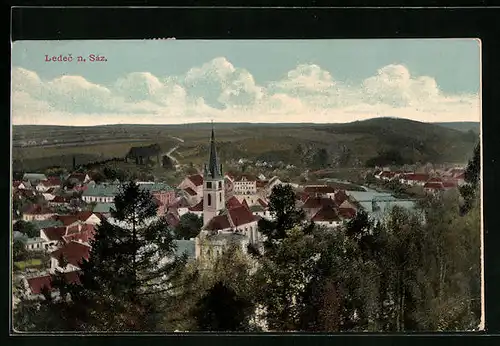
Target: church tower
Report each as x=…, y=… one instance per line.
x=213, y=185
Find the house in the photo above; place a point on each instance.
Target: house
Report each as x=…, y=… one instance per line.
x=245, y=184
x=21, y=185
x=35, y=244
x=89, y=217
x=195, y=182
x=59, y=201
x=313, y=204
x=80, y=233
x=37, y=212
x=73, y=253
x=34, y=286
x=78, y=179
x=320, y=191
x=414, y=179
x=191, y=195
x=51, y=182
x=163, y=193
x=433, y=187
x=180, y=205
x=33, y=178
x=49, y=194
x=197, y=209
x=104, y=193
x=260, y=211
x=52, y=237
x=327, y=216
x=274, y=181
x=142, y=154
x=238, y=219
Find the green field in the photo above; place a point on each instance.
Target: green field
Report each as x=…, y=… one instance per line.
x=33, y=263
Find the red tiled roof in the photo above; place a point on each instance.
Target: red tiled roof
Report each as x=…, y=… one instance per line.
x=197, y=207
x=196, y=179
x=59, y=199
x=245, y=204
x=219, y=222
x=319, y=189
x=84, y=215
x=417, y=177
x=340, y=197
x=55, y=233
x=73, y=252
x=347, y=213
x=241, y=216
x=190, y=191
x=16, y=183
x=435, y=180
x=36, y=284
x=433, y=186
x=318, y=202
x=326, y=213
x=232, y=203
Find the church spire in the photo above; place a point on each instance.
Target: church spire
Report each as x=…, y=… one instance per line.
x=214, y=169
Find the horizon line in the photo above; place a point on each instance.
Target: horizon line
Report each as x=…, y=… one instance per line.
x=249, y=122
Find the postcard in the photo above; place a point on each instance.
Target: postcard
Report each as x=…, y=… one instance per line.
x=246, y=186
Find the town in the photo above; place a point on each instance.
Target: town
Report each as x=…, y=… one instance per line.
x=56, y=217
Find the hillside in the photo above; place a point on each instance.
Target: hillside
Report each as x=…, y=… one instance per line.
x=350, y=144
x=462, y=126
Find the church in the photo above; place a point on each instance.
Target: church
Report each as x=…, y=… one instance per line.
x=224, y=224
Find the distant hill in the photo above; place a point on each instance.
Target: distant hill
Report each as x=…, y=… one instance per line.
x=463, y=126
x=356, y=142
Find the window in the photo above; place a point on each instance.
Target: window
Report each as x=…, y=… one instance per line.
x=209, y=184
x=220, y=197
x=220, y=185
x=209, y=200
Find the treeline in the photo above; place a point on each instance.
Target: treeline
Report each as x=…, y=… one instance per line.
x=411, y=271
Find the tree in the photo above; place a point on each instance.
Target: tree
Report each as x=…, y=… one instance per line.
x=26, y=228
x=284, y=212
x=129, y=271
x=320, y=158
x=189, y=226
x=221, y=309
x=19, y=252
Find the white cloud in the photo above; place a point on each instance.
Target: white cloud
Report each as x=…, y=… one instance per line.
x=220, y=91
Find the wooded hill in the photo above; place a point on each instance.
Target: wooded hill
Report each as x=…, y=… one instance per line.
x=356, y=143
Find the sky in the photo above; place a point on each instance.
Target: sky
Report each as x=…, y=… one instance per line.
x=185, y=81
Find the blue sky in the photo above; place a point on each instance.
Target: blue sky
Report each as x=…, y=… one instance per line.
x=329, y=80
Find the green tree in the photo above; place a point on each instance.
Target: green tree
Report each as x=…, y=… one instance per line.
x=189, y=226
x=285, y=214
x=26, y=228
x=19, y=252
x=130, y=269
x=221, y=309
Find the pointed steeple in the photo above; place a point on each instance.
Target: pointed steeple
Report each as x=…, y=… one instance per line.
x=214, y=169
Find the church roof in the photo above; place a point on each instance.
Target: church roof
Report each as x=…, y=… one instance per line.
x=213, y=170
